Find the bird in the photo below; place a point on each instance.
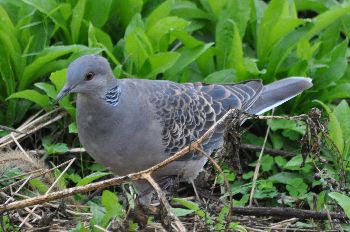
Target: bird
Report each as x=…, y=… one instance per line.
x=131, y=124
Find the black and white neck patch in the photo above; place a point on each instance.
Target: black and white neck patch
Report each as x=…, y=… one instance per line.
x=112, y=96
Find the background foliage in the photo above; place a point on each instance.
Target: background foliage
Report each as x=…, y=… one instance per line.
x=212, y=41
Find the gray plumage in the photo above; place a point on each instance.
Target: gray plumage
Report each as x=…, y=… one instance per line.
x=130, y=124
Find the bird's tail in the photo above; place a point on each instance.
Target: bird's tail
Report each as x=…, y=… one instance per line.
x=278, y=92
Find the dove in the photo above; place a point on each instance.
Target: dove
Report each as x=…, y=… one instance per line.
x=129, y=125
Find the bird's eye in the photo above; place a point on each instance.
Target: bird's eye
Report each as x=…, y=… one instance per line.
x=89, y=76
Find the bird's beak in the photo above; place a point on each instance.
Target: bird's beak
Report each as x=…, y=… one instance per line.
x=64, y=91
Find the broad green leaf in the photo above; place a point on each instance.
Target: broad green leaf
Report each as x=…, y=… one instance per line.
x=39, y=185
x=296, y=187
x=187, y=39
x=48, y=88
x=284, y=177
x=189, y=10
x=315, y=5
x=126, y=9
x=343, y=201
x=51, y=9
x=188, y=55
x=77, y=18
x=294, y=163
x=32, y=95
x=342, y=113
x=163, y=10
x=323, y=20
x=215, y=6
x=282, y=49
x=229, y=47
x=98, y=38
x=162, y=61
x=138, y=47
x=48, y=57
x=280, y=161
x=179, y=212
x=280, y=18
x=98, y=213
x=72, y=128
x=136, y=23
x=163, y=27
x=285, y=46
x=194, y=206
x=336, y=66
x=113, y=208
x=239, y=11
x=98, y=12
x=90, y=178
x=266, y=163
x=305, y=50
x=58, y=78
x=226, y=76
x=296, y=126
x=55, y=148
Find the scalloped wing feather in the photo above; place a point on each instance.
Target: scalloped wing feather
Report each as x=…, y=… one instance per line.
x=186, y=111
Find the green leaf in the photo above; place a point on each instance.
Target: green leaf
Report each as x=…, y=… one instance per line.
x=113, y=208
x=138, y=47
x=284, y=177
x=179, y=212
x=226, y=76
x=229, y=47
x=162, y=61
x=280, y=161
x=98, y=213
x=163, y=27
x=126, y=9
x=189, y=10
x=297, y=187
x=188, y=55
x=77, y=18
x=195, y=207
x=49, y=89
x=32, y=95
x=323, y=20
x=162, y=11
x=334, y=128
x=97, y=12
x=343, y=201
x=52, y=10
x=39, y=185
x=342, y=113
x=239, y=11
x=72, y=128
x=215, y=6
x=47, y=59
x=284, y=47
x=294, y=163
x=296, y=126
x=280, y=18
x=336, y=66
x=90, y=178
x=266, y=163
x=53, y=148
x=59, y=79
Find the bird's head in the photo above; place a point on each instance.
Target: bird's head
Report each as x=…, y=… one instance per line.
x=87, y=75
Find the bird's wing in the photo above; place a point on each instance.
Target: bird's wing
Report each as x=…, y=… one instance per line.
x=186, y=111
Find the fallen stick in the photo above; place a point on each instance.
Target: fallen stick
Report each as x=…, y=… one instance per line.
x=285, y=213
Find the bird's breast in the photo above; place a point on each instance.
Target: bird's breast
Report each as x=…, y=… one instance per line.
x=126, y=138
